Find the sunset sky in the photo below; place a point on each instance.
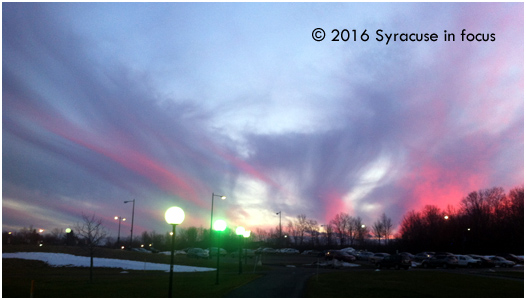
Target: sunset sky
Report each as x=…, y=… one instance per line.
x=167, y=103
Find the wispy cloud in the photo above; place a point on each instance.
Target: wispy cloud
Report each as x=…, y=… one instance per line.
x=96, y=111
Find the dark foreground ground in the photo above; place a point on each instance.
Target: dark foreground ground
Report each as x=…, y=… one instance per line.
x=294, y=277
x=278, y=276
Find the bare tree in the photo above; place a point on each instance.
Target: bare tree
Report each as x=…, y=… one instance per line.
x=330, y=232
x=260, y=235
x=312, y=229
x=360, y=229
x=412, y=227
x=387, y=225
x=54, y=237
x=190, y=235
x=352, y=230
x=92, y=234
x=341, y=224
x=378, y=229
x=299, y=226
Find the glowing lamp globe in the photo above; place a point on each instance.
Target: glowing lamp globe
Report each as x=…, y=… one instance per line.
x=174, y=215
x=68, y=230
x=219, y=225
x=240, y=230
x=246, y=234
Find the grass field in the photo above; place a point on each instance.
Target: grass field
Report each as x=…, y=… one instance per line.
x=411, y=284
x=73, y=282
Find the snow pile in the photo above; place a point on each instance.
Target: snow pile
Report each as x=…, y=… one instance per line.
x=61, y=260
x=415, y=264
x=176, y=252
x=334, y=264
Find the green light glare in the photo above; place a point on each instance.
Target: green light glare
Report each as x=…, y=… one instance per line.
x=240, y=230
x=219, y=225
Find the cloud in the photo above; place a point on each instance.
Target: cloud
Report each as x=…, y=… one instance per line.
x=93, y=116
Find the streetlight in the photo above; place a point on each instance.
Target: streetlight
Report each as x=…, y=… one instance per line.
x=240, y=231
x=70, y=239
x=173, y=216
x=246, y=235
x=119, y=234
x=219, y=226
x=446, y=217
x=212, y=219
x=361, y=234
x=133, y=214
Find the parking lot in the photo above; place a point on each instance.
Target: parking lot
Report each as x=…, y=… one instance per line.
x=287, y=275
x=306, y=261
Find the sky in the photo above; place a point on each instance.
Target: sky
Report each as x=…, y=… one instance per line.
x=170, y=103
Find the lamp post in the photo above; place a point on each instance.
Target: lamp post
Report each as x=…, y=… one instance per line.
x=362, y=232
x=173, y=216
x=246, y=235
x=219, y=226
x=212, y=219
x=279, y=241
x=133, y=214
x=240, y=230
x=119, y=232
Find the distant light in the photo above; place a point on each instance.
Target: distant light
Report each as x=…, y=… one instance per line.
x=123, y=219
x=68, y=230
x=171, y=233
x=9, y=232
x=446, y=217
x=174, y=215
x=41, y=230
x=122, y=247
x=469, y=229
x=223, y=197
x=240, y=230
x=150, y=245
x=116, y=218
x=40, y=245
x=219, y=225
x=142, y=246
x=363, y=226
x=246, y=234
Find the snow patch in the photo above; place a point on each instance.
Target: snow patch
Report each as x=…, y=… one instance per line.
x=69, y=260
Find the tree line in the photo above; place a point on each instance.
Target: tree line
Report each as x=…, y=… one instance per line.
x=485, y=221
